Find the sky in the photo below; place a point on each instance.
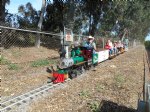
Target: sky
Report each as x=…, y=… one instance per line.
x=14, y=4
x=148, y=37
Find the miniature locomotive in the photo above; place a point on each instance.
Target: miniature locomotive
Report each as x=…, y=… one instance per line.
x=81, y=59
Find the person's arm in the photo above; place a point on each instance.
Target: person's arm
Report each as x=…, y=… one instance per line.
x=94, y=46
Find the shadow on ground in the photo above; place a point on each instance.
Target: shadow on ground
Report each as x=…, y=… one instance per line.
x=108, y=106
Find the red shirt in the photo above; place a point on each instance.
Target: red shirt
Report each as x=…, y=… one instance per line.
x=107, y=46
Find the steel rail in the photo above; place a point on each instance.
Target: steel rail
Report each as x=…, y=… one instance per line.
x=23, y=94
x=29, y=95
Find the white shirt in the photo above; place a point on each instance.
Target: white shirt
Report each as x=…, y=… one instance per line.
x=110, y=44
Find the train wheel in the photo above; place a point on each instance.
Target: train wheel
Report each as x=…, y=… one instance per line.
x=73, y=75
x=83, y=69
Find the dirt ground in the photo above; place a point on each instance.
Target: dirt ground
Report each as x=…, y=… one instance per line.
x=23, y=77
x=22, y=55
x=114, y=87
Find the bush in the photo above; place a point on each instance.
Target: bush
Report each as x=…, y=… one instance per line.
x=147, y=44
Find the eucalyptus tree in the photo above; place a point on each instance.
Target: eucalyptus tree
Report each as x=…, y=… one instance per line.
x=131, y=15
x=40, y=23
x=27, y=16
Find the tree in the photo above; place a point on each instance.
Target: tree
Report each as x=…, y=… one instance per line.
x=130, y=15
x=73, y=14
x=3, y=9
x=55, y=14
x=28, y=17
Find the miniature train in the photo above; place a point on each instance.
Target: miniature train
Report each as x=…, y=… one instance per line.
x=81, y=59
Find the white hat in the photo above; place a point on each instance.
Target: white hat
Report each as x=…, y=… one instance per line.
x=90, y=37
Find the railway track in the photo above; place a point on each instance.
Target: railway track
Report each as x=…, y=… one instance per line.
x=24, y=98
x=17, y=101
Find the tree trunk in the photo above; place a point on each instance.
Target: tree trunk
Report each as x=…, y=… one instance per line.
x=37, y=43
x=90, y=25
x=2, y=11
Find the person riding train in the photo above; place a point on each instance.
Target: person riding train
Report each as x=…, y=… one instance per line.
x=115, y=48
x=109, y=46
x=90, y=43
x=120, y=46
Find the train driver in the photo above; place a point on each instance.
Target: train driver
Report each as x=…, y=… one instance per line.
x=90, y=43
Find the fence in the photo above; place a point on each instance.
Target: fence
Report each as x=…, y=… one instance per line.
x=18, y=45
x=25, y=38
x=19, y=51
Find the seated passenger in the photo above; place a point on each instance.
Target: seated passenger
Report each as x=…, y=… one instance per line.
x=109, y=46
x=119, y=46
x=115, y=48
x=90, y=43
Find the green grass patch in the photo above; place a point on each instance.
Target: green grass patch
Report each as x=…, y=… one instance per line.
x=10, y=65
x=94, y=106
x=84, y=94
x=3, y=61
x=13, y=66
x=39, y=63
